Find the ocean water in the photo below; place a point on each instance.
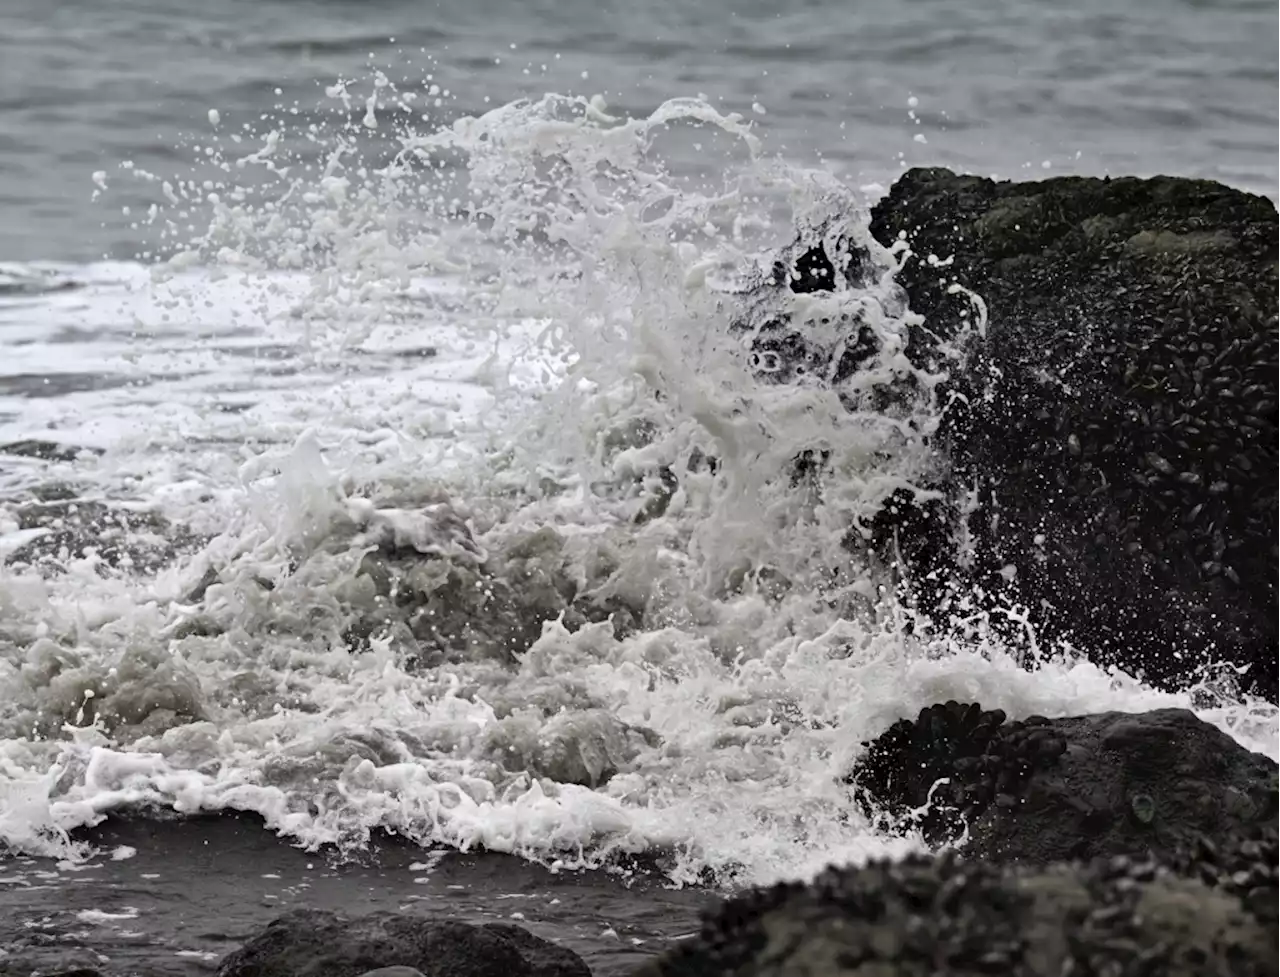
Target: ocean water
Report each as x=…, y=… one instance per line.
x=367, y=357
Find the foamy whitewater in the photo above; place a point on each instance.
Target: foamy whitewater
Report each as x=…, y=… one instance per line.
x=417, y=410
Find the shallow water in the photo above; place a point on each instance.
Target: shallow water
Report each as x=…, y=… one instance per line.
x=138, y=905
x=335, y=488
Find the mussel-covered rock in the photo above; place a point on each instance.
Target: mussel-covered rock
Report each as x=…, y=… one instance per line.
x=1109, y=443
x=928, y=916
x=1043, y=790
x=1119, y=416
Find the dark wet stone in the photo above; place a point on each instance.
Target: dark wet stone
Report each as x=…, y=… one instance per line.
x=1128, y=379
x=45, y=450
x=1077, y=787
x=33, y=282
x=924, y=917
x=54, y=492
x=15, y=963
x=947, y=740
x=123, y=539
x=315, y=943
x=1246, y=865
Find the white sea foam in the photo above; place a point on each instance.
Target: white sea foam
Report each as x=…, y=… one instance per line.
x=507, y=489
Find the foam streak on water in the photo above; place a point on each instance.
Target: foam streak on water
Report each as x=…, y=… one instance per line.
x=441, y=580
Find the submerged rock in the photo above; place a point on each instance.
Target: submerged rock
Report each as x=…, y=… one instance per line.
x=316, y=943
x=784, y=350
x=585, y=747
x=1046, y=790
x=448, y=598
x=46, y=450
x=923, y=917
x=126, y=539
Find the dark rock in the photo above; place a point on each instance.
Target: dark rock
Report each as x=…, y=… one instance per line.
x=32, y=281
x=315, y=943
x=48, y=958
x=45, y=450
x=122, y=539
x=1246, y=866
x=1046, y=790
x=945, y=916
x=1119, y=418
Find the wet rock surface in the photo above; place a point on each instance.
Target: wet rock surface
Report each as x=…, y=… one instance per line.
x=430, y=583
x=117, y=537
x=1045, y=790
x=1119, y=417
x=927, y=916
x=45, y=450
x=1117, y=844
x=315, y=943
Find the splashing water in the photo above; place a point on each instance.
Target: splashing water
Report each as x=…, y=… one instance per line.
x=552, y=587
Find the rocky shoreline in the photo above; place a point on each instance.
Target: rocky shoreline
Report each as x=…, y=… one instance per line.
x=1113, y=461
x=171, y=896
x=1172, y=826
x=1114, y=844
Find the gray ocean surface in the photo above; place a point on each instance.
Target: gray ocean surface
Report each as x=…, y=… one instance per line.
x=1004, y=86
